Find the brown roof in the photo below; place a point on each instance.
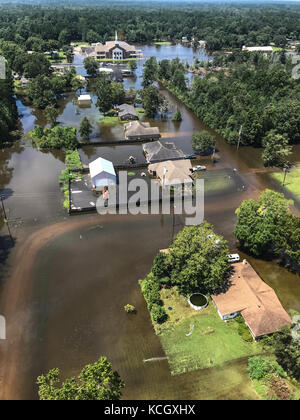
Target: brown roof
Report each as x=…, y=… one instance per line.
x=257, y=302
x=140, y=129
x=174, y=172
x=111, y=44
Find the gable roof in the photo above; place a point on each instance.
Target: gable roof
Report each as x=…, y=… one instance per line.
x=125, y=109
x=257, y=302
x=173, y=172
x=101, y=165
x=135, y=129
x=158, y=152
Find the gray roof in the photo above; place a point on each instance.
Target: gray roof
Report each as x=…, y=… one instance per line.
x=138, y=129
x=126, y=109
x=158, y=152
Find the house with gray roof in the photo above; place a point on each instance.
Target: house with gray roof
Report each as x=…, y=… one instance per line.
x=137, y=130
x=127, y=112
x=158, y=152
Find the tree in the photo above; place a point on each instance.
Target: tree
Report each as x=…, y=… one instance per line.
x=261, y=366
x=149, y=72
x=151, y=100
x=177, y=116
x=91, y=66
x=161, y=267
x=103, y=91
x=203, y=141
x=96, y=381
x=199, y=259
x=261, y=224
x=51, y=114
x=39, y=90
x=276, y=149
x=178, y=80
x=131, y=65
x=85, y=128
x=92, y=36
x=36, y=65
x=117, y=93
x=287, y=352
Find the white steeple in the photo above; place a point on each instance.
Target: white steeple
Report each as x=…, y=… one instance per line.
x=116, y=37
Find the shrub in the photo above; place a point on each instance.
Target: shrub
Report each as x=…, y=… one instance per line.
x=130, y=309
x=261, y=366
x=158, y=314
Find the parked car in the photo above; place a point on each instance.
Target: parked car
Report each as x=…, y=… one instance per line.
x=232, y=258
x=190, y=157
x=198, y=168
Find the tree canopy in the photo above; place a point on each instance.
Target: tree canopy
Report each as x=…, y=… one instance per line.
x=96, y=381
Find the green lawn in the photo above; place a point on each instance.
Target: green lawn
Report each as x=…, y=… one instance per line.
x=212, y=342
x=162, y=43
x=292, y=181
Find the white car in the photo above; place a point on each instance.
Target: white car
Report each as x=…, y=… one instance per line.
x=232, y=258
x=198, y=168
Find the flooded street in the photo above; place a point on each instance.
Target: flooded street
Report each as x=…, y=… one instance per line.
x=65, y=282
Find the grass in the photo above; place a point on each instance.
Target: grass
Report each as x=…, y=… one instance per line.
x=292, y=181
x=212, y=342
x=162, y=43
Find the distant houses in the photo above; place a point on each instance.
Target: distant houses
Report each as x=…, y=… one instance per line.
x=249, y=296
x=137, y=130
x=102, y=173
x=127, y=112
x=267, y=49
x=158, y=152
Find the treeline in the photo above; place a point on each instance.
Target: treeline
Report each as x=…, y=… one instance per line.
x=251, y=100
x=40, y=27
x=8, y=109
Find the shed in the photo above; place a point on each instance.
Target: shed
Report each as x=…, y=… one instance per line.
x=102, y=173
x=84, y=100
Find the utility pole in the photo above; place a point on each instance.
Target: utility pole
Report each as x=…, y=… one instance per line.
x=239, y=140
x=6, y=219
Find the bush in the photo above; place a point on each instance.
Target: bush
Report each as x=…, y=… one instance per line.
x=261, y=366
x=150, y=289
x=161, y=266
x=130, y=309
x=158, y=314
x=243, y=330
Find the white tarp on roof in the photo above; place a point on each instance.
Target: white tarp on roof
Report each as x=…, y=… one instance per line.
x=102, y=173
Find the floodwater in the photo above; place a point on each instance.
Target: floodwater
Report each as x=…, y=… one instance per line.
x=65, y=283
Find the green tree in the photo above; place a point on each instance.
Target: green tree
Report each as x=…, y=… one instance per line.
x=276, y=149
x=149, y=72
x=177, y=116
x=131, y=65
x=203, y=141
x=287, y=352
x=151, y=100
x=85, y=128
x=51, y=114
x=96, y=381
x=199, y=259
x=91, y=66
x=261, y=224
x=118, y=93
x=103, y=92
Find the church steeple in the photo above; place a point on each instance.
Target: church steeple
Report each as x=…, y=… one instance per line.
x=116, y=36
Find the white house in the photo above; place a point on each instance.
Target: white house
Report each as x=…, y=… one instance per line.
x=102, y=173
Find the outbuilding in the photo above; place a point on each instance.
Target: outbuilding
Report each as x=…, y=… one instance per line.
x=102, y=173
x=84, y=100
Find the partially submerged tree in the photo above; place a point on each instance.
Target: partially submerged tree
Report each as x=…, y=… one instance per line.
x=91, y=66
x=276, y=149
x=203, y=141
x=96, y=381
x=51, y=114
x=177, y=116
x=85, y=128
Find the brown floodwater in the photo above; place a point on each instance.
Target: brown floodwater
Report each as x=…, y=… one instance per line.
x=64, y=284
